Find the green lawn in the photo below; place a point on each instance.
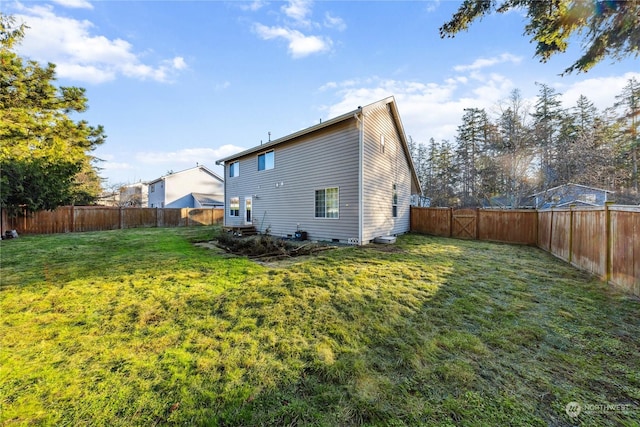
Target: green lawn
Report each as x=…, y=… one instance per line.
x=142, y=327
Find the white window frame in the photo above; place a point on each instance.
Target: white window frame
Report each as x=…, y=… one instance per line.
x=394, y=200
x=234, y=167
x=234, y=202
x=266, y=166
x=327, y=214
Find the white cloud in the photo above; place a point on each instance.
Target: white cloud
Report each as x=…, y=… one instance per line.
x=188, y=156
x=481, y=63
x=178, y=63
x=76, y=4
x=432, y=5
x=428, y=110
x=298, y=10
x=83, y=56
x=336, y=22
x=253, y=6
x=111, y=166
x=299, y=45
x=601, y=91
x=297, y=17
x=222, y=86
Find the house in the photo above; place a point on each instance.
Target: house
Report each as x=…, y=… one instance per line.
x=208, y=201
x=508, y=202
x=349, y=179
x=570, y=194
x=134, y=195
x=177, y=189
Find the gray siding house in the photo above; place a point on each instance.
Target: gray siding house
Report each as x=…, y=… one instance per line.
x=570, y=194
x=175, y=190
x=349, y=179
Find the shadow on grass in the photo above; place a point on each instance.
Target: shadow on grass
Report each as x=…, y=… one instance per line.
x=432, y=332
x=483, y=334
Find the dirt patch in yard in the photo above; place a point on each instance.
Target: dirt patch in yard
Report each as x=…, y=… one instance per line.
x=266, y=248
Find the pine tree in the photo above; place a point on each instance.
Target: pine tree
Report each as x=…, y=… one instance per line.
x=43, y=151
x=628, y=103
x=547, y=116
x=514, y=150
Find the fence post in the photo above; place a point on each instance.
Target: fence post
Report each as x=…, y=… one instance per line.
x=608, y=242
x=73, y=218
x=570, y=233
x=551, y=232
x=450, y=222
x=537, y=227
x=477, y=236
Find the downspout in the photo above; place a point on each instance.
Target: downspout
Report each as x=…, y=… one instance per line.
x=224, y=181
x=360, y=175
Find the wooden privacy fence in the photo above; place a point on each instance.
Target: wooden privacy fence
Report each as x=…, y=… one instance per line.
x=604, y=241
x=68, y=219
x=509, y=226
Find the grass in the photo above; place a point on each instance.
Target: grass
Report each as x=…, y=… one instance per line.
x=141, y=327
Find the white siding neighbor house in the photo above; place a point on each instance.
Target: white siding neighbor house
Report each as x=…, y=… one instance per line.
x=175, y=190
x=349, y=179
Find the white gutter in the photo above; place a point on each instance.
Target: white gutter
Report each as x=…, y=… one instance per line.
x=360, y=175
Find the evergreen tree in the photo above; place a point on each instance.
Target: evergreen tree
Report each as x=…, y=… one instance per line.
x=44, y=152
x=607, y=27
x=514, y=150
x=548, y=116
x=472, y=138
x=628, y=104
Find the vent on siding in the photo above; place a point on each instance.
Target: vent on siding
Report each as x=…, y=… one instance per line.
x=353, y=241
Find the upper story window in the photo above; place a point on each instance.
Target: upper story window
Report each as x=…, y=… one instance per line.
x=382, y=143
x=152, y=188
x=266, y=161
x=234, y=169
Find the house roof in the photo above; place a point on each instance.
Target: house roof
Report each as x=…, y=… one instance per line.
x=209, y=199
x=571, y=185
x=390, y=101
x=201, y=167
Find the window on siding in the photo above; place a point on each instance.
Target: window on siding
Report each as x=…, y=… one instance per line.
x=327, y=203
x=234, y=206
x=266, y=161
x=382, y=143
x=152, y=188
x=394, y=201
x=234, y=169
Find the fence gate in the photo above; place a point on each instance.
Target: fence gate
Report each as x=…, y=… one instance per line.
x=464, y=223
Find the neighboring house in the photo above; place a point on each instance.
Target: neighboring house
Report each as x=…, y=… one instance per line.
x=175, y=190
x=571, y=194
x=506, y=202
x=134, y=195
x=349, y=179
x=208, y=201
x=108, y=198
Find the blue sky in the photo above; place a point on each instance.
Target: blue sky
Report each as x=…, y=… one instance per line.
x=177, y=83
